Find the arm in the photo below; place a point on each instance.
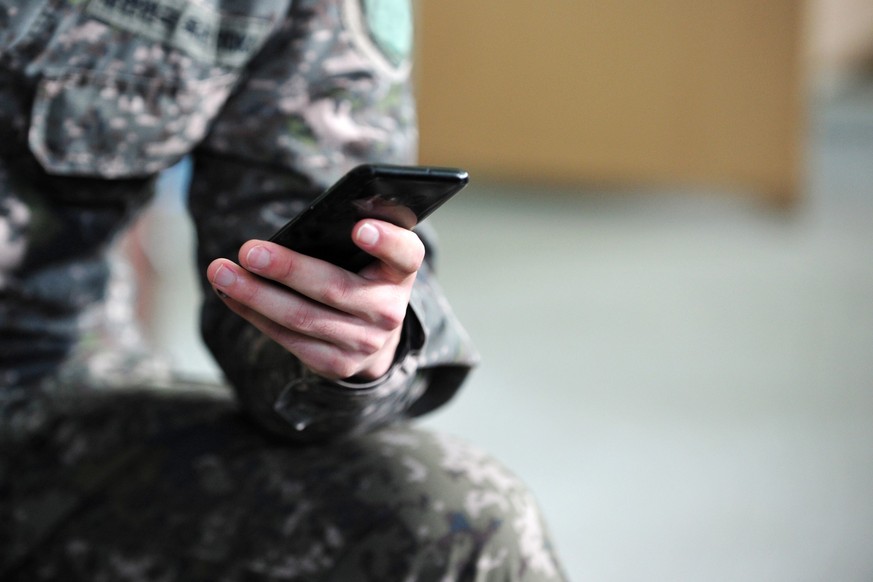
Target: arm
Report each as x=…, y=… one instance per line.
x=318, y=100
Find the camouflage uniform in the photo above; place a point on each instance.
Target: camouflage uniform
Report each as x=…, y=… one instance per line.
x=112, y=470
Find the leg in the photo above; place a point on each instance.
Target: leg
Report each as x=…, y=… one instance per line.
x=142, y=486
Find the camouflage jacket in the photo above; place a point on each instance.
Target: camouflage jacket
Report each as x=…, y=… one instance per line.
x=273, y=100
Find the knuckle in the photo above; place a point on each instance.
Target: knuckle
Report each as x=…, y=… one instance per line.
x=392, y=317
x=418, y=256
x=341, y=366
x=369, y=343
x=338, y=291
x=290, y=341
x=300, y=318
x=284, y=269
x=413, y=256
x=248, y=294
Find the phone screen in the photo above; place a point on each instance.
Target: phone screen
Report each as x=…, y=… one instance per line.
x=401, y=195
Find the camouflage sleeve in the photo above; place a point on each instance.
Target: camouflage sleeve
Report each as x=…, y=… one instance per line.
x=329, y=90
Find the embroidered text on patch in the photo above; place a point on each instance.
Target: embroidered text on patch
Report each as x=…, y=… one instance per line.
x=193, y=27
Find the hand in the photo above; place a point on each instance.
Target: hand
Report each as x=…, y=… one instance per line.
x=339, y=324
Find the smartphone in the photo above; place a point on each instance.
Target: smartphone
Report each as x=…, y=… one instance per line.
x=401, y=195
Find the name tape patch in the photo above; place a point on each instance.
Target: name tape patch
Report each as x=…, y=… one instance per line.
x=192, y=27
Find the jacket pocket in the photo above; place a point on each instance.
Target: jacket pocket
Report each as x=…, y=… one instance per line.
x=90, y=123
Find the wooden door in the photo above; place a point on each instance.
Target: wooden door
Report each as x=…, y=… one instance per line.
x=660, y=92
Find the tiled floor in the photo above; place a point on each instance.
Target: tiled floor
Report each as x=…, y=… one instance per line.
x=685, y=381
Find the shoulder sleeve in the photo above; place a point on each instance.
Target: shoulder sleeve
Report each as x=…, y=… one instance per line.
x=330, y=90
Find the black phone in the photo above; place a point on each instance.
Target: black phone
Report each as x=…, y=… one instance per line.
x=401, y=195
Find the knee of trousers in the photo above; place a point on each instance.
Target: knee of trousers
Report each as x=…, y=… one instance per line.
x=453, y=510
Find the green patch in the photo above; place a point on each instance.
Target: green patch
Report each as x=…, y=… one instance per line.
x=389, y=23
x=382, y=29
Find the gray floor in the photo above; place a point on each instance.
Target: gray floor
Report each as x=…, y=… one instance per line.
x=686, y=381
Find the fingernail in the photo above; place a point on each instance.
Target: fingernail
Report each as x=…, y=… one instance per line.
x=224, y=277
x=368, y=234
x=258, y=258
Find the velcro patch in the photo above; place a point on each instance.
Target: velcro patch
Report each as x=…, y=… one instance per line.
x=195, y=28
x=383, y=29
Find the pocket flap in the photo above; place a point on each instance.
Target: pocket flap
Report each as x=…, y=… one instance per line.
x=87, y=123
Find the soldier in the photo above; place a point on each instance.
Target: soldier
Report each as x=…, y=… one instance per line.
x=110, y=469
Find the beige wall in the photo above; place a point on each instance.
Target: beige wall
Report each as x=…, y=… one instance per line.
x=576, y=91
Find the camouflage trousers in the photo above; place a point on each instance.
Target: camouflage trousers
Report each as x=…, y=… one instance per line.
x=151, y=485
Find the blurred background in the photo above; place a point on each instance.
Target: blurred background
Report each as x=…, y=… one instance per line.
x=666, y=259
